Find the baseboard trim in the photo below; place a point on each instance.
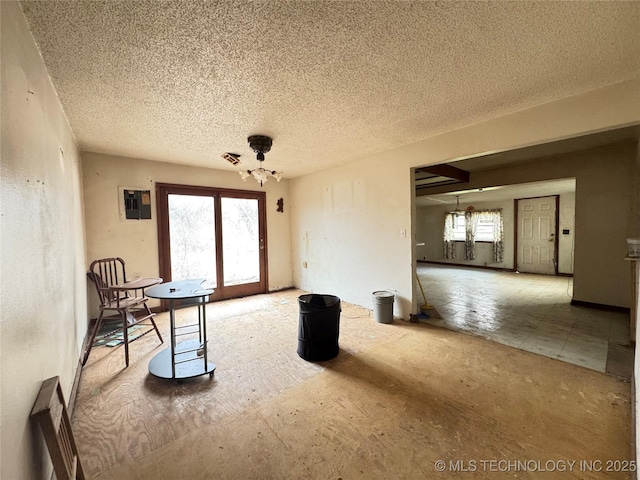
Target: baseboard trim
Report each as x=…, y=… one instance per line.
x=600, y=306
x=483, y=267
x=74, y=388
x=283, y=289
x=159, y=309
x=76, y=380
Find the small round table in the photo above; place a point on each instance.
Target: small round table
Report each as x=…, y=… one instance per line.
x=185, y=359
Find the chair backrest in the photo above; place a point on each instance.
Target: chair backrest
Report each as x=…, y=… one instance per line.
x=50, y=411
x=105, y=273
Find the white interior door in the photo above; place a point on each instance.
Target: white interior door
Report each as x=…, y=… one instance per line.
x=537, y=235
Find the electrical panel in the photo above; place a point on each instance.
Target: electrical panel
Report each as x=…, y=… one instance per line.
x=137, y=204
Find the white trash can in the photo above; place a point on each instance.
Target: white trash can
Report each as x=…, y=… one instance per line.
x=383, y=306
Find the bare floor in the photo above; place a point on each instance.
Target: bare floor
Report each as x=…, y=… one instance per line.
x=397, y=399
x=525, y=311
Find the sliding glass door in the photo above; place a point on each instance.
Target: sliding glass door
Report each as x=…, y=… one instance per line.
x=215, y=234
x=192, y=237
x=240, y=240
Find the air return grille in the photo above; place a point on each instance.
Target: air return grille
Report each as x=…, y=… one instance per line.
x=232, y=158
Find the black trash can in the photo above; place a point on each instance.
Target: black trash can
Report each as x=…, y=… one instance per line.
x=318, y=327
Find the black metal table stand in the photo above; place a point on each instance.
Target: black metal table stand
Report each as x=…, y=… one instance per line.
x=188, y=358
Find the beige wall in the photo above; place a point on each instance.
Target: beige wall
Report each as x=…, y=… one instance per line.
x=353, y=225
x=350, y=249
x=43, y=286
x=566, y=243
x=430, y=230
x=604, y=211
x=605, y=214
x=136, y=241
x=348, y=221
x=353, y=232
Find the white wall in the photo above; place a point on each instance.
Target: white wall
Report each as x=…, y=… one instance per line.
x=43, y=280
x=355, y=246
x=353, y=232
x=136, y=241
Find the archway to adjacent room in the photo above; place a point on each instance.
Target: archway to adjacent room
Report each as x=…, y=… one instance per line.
x=492, y=297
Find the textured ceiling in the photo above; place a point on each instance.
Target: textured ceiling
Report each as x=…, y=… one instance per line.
x=185, y=81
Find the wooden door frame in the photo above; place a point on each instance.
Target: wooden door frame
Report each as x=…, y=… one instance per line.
x=556, y=234
x=262, y=222
x=163, y=190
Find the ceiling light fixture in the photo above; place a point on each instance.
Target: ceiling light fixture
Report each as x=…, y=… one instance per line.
x=457, y=212
x=261, y=145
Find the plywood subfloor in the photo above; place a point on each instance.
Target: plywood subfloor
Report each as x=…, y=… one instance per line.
x=397, y=399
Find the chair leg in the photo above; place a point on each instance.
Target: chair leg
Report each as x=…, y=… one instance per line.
x=153, y=322
x=96, y=329
x=125, y=333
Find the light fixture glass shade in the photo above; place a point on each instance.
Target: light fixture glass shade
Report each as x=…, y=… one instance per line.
x=260, y=174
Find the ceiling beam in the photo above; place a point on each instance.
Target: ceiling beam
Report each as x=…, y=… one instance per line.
x=434, y=185
x=445, y=170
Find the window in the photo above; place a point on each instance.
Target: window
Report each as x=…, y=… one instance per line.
x=459, y=233
x=485, y=225
x=471, y=227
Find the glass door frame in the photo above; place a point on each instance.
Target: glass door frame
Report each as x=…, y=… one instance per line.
x=163, y=190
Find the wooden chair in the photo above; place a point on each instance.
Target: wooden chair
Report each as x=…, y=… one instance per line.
x=125, y=298
x=50, y=412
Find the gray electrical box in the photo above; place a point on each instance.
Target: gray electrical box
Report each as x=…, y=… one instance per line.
x=137, y=204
